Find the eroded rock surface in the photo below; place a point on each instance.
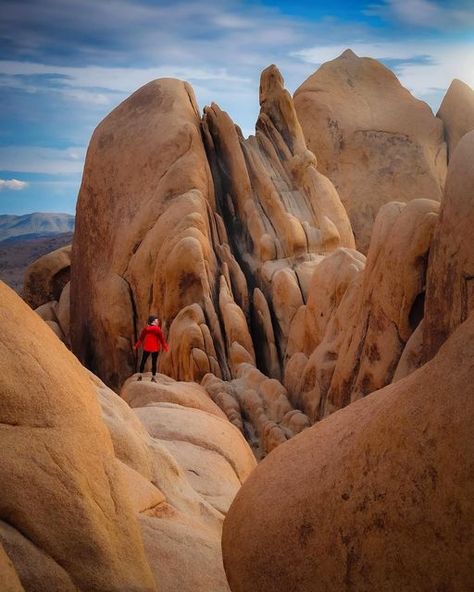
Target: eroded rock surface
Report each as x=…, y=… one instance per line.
x=372, y=138
x=136, y=493
x=58, y=458
x=184, y=463
x=244, y=248
x=450, y=282
x=46, y=277
x=379, y=496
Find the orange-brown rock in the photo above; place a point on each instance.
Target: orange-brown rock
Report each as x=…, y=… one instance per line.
x=360, y=314
x=153, y=252
x=57, y=314
x=329, y=318
x=9, y=580
x=390, y=303
x=372, y=138
x=58, y=457
x=168, y=390
x=46, y=277
x=259, y=406
x=413, y=355
x=457, y=113
x=450, y=278
x=379, y=496
x=174, y=256
x=184, y=466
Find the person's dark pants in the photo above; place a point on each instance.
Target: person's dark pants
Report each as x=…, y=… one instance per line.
x=154, y=358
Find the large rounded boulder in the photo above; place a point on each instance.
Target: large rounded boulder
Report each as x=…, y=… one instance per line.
x=379, y=496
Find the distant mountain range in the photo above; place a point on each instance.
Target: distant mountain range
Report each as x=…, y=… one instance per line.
x=36, y=225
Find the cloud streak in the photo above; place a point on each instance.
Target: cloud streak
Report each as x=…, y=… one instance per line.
x=13, y=184
x=36, y=159
x=426, y=13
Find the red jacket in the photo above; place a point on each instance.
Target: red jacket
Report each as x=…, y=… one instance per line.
x=151, y=338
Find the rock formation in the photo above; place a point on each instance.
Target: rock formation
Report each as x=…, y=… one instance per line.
x=175, y=255
x=450, y=281
x=65, y=519
x=46, y=277
x=154, y=248
x=244, y=249
x=134, y=503
x=372, y=138
x=379, y=496
x=457, y=113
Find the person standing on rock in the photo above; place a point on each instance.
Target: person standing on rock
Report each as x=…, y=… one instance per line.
x=151, y=340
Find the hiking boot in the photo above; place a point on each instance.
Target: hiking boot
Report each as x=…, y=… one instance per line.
x=139, y=378
x=153, y=379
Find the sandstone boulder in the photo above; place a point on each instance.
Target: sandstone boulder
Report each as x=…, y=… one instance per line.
x=450, y=278
x=372, y=138
x=181, y=486
x=153, y=253
x=8, y=577
x=379, y=496
x=457, y=113
x=58, y=457
x=46, y=277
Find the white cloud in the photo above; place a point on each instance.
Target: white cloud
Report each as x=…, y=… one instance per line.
x=13, y=184
x=112, y=79
x=440, y=64
x=37, y=159
x=425, y=13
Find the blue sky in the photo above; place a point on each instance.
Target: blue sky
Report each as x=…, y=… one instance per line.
x=64, y=64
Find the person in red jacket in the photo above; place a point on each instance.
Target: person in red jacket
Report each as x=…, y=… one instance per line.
x=151, y=339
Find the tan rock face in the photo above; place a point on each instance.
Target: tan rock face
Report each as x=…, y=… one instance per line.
x=379, y=496
x=163, y=217
x=185, y=450
x=390, y=305
x=59, y=456
x=133, y=502
x=9, y=578
x=175, y=257
x=457, y=113
x=450, y=281
x=245, y=251
x=46, y=277
x=372, y=138
x=361, y=313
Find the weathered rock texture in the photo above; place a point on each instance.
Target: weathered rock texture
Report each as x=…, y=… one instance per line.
x=133, y=503
x=372, y=138
x=46, y=277
x=457, y=113
x=362, y=314
x=184, y=463
x=66, y=521
x=9, y=579
x=164, y=244
x=245, y=251
x=379, y=496
x=161, y=246
x=450, y=282
x=174, y=254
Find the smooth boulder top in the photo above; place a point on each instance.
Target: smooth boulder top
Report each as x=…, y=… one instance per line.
x=373, y=139
x=457, y=113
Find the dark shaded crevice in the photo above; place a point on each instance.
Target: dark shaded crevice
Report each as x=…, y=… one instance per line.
x=237, y=230
x=417, y=311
